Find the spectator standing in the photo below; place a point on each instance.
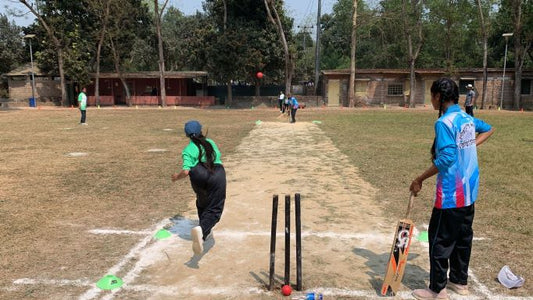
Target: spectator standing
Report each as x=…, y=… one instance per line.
x=469, y=102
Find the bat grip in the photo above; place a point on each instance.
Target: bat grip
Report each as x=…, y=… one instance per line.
x=410, y=205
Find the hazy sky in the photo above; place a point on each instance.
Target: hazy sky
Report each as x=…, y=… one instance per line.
x=303, y=11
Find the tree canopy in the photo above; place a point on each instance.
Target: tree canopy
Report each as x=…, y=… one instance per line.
x=233, y=39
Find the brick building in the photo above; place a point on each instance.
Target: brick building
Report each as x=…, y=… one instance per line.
x=391, y=86
x=47, y=88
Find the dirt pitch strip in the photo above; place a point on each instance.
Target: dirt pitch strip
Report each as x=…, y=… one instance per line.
x=346, y=239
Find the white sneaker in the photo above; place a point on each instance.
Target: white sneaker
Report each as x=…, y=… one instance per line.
x=197, y=242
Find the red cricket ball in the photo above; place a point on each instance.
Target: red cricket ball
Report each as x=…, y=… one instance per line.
x=259, y=75
x=286, y=290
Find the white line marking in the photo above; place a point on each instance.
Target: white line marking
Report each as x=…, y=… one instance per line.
x=93, y=292
x=60, y=282
x=115, y=231
x=233, y=291
x=146, y=253
x=156, y=150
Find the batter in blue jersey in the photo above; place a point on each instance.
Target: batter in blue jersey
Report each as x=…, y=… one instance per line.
x=454, y=157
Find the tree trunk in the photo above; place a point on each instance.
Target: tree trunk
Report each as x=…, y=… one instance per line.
x=98, y=52
x=162, y=88
x=485, y=53
x=413, y=50
x=289, y=66
x=229, y=99
x=412, y=83
x=116, y=60
x=60, y=65
x=351, y=87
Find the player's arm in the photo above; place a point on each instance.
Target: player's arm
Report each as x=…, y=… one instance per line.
x=484, y=129
x=416, y=185
x=182, y=174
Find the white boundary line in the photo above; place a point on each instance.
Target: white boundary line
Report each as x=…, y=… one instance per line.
x=142, y=247
x=95, y=291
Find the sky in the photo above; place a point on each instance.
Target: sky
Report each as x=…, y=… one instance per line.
x=304, y=12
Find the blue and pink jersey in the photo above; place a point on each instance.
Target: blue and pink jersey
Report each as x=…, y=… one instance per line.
x=456, y=158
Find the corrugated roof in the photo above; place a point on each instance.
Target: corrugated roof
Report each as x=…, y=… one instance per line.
x=153, y=74
x=25, y=70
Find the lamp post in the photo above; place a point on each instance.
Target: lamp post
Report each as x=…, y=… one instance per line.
x=30, y=37
x=506, y=36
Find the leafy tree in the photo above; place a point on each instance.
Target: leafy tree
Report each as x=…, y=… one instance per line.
x=305, y=58
x=184, y=38
x=131, y=22
x=65, y=23
x=242, y=26
x=11, y=46
x=337, y=32
x=274, y=18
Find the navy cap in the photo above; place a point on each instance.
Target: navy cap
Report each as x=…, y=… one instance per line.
x=193, y=127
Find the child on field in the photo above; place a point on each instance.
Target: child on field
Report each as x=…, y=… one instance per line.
x=454, y=158
x=201, y=162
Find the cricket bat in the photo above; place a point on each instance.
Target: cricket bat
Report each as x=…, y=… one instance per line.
x=399, y=252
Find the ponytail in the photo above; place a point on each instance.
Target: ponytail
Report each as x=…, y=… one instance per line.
x=203, y=145
x=448, y=92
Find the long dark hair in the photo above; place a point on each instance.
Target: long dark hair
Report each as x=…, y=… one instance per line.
x=449, y=92
x=200, y=141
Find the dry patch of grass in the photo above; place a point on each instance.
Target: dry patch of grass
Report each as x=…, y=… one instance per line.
x=48, y=200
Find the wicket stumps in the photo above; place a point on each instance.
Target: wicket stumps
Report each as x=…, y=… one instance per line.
x=298, y=227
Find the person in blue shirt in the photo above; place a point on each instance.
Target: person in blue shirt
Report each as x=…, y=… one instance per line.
x=294, y=107
x=203, y=166
x=454, y=159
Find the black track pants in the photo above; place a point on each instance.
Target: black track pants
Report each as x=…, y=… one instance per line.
x=210, y=189
x=450, y=243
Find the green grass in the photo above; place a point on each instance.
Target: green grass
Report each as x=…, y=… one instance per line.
x=391, y=148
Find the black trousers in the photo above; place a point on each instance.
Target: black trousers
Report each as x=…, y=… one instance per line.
x=469, y=110
x=280, y=104
x=210, y=189
x=450, y=244
x=293, y=114
x=83, y=116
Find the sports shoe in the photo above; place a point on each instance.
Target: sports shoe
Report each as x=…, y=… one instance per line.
x=427, y=294
x=461, y=289
x=197, y=242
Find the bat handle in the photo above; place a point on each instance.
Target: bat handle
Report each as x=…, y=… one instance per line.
x=410, y=205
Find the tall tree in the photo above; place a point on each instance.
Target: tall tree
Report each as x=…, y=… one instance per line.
x=158, y=16
x=412, y=12
x=484, y=8
x=11, y=47
x=521, y=14
x=351, y=86
x=62, y=22
x=130, y=23
x=273, y=16
x=250, y=39
x=102, y=10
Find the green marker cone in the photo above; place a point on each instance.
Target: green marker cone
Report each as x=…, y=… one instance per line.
x=423, y=236
x=109, y=282
x=162, y=234
x=317, y=122
x=258, y=122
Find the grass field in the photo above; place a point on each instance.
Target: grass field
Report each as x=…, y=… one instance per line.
x=45, y=193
